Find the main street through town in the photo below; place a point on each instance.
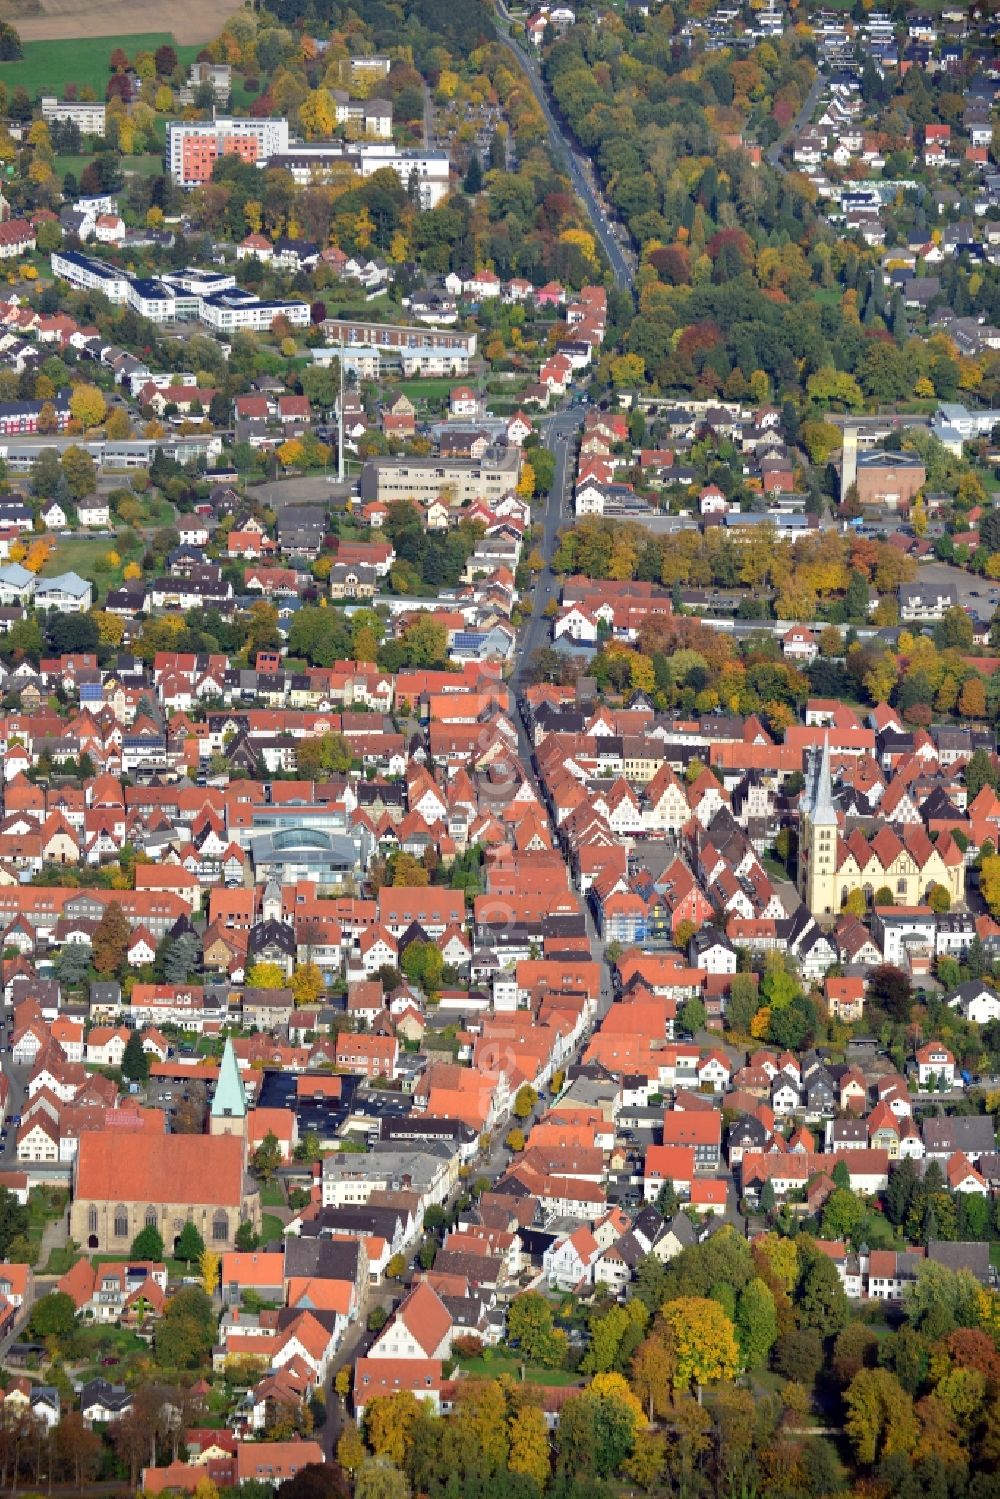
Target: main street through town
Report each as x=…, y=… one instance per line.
x=560, y=438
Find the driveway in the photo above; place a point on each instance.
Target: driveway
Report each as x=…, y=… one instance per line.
x=802, y=119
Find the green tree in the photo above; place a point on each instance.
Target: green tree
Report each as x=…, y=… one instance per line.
x=939, y=1300
x=53, y=1316
x=743, y=1002
x=692, y=1017
x=247, y=1238
x=425, y=643
x=267, y=1156
x=322, y=636
x=798, y=1355
x=843, y=1215
x=423, y=964
x=954, y=630
x=135, y=1060
x=614, y=1337
x=903, y=1180
x=14, y=1220
x=148, y=1244
x=377, y=1478
x=596, y=1435
x=186, y=1331
x=190, y=1244
x=326, y=754
x=667, y=1201
x=821, y=1301
x=756, y=1323
x=73, y=964
x=981, y=770
x=778, y=989
x=181, y=958
x=530, y=1329
x=10, y=43
x=830, y=385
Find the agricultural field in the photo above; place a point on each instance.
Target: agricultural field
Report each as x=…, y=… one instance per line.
x=47, y=66
x=192, y=22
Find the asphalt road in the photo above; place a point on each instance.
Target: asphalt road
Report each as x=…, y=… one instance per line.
x=17, y=1079
x=562, y=144
x=559, y=435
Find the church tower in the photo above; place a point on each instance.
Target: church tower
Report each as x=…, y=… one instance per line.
x=229, y=1103
x=818, y=831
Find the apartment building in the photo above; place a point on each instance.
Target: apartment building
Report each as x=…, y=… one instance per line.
x=89, y=115
x=194, y=145
x=89, y=274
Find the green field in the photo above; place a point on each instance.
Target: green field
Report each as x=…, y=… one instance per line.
x=47, y=67
x=143, y=166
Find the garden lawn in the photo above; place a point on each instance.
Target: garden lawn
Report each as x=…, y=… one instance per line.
x=271, y=1228
x=75, y=164
x=272, y=1195
x=492, y=1368
x=242, y=98
x=436, y=389
x=156, y=511
x=61, y=1260
x=86, y=555
x=40, y=1212
x=995, y=1254
x=47, y=67
x=148, y=165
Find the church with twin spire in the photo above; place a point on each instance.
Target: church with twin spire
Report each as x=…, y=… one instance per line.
x=833, y=862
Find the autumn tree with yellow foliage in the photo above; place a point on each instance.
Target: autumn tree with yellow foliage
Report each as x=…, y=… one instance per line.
x=704, y=1342
x=87, y=405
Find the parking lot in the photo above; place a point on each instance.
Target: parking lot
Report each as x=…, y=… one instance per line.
x=979, y=595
